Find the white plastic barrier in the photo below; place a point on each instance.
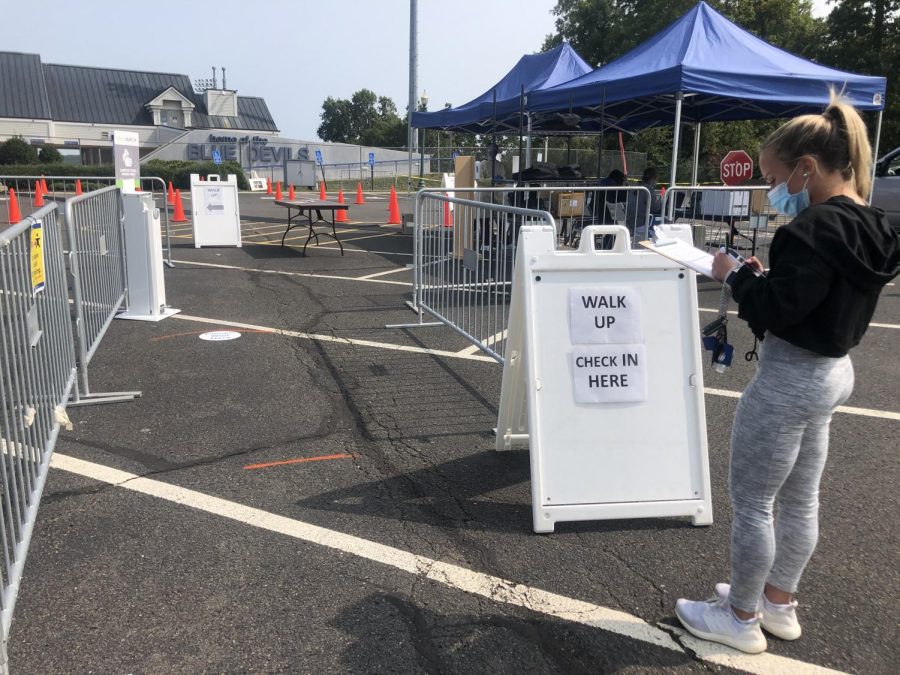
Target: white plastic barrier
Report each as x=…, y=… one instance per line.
x=215, y=212
x=603, y=379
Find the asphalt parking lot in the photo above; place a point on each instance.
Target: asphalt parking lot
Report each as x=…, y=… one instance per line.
x=322, y=495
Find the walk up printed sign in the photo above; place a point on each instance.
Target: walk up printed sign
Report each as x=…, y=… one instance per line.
x=215, y=211
x=609, y=316
x=603, y=381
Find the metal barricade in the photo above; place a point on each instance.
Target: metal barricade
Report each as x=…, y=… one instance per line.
x=736, y=217
x=63, y=187
x=95, y=227
x=37, y=375
x=464, y=247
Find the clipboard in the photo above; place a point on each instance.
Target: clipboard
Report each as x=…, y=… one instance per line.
x=674, y=249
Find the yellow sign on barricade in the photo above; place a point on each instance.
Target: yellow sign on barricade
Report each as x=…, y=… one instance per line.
x=38, y=278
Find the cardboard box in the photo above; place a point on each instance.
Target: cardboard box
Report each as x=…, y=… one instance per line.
x=567, y=204
x=758, y=202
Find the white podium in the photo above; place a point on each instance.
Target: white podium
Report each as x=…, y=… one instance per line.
x=144, y=261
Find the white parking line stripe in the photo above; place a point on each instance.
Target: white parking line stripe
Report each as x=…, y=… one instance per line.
x=850, y=410
x=291, y=274
x=493, y=588
x=876, y=325
x=332, y=338
x=493, y=339
x=381, y=274
x=465, y=355
x=347, y=249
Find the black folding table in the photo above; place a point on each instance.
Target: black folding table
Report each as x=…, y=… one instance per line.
x=307, y=206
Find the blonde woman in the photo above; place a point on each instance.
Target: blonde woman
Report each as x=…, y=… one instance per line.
x=828, y=266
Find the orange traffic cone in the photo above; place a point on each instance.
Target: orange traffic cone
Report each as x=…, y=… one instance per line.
x=78, y=190
x=38, y=194
x=322, y=196
x=340, y=216
x=179, y=209
x=278, y=194
x=170, y=197
x=448, y=214
x=359, y=194
x=268, y=186
x=291, y=194
x=392, y=198
x=44, y=185
x=14, y=214
x=394, y=209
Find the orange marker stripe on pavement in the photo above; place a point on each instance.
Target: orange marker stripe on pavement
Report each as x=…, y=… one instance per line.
x=298, y=461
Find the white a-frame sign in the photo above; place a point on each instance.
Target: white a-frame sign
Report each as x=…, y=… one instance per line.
x=603, y=381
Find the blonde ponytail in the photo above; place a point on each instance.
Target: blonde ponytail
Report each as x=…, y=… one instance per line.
x=859, y=151
x=837, y=138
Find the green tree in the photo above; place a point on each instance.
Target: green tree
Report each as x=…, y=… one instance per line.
x=50, y=155
x=17, y=151
x=365, y=118
x=864, y=36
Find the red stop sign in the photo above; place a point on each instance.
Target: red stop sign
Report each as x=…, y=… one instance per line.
x=736, y=168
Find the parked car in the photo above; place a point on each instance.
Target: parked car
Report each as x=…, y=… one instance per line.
x=886, y=190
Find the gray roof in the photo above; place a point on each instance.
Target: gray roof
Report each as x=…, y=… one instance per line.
x=107, y=95
x=22, y=89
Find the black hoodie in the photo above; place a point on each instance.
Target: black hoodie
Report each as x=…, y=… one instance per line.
x=828, y=266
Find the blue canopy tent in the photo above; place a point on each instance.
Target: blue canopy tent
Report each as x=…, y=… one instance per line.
x=499, y=108
x=705, y=68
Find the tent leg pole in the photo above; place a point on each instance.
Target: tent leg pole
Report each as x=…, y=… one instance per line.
x=875, y=154
x=528, y=143
x=695, y=168
x=675, y=142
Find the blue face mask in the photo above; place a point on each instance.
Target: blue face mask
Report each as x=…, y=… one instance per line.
x=784, y=202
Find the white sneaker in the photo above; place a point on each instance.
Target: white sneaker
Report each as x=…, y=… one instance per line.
x=779, y=620
x=713, y=620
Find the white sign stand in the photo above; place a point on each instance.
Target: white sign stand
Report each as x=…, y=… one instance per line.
x=603, y=379
x=215, y=212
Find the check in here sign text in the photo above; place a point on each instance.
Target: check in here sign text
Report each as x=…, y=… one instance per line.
x=608, y=358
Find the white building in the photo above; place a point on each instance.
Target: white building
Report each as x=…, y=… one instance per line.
x=77, y=109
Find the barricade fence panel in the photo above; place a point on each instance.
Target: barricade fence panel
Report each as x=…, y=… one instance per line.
x=734, y=217
x=94, y=226
x=60, y=188
x=465, y=246
x=96, y=237
x=37, y=375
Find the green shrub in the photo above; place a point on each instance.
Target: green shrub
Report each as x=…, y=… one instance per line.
x=49, y=155
x=179, y=171
x=17, y=151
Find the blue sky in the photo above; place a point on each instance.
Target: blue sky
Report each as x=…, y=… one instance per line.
x=292, y=53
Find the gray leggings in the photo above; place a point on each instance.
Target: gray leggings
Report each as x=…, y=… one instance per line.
x=779, y=444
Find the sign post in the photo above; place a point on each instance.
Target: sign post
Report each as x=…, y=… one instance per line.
x=321, y=164
x=736, y=168
x=126, y=150
x=372, y=168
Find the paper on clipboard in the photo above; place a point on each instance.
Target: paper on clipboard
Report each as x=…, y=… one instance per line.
x=692, y=258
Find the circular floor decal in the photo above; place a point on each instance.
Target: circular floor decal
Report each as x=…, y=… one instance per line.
x=220, y=335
